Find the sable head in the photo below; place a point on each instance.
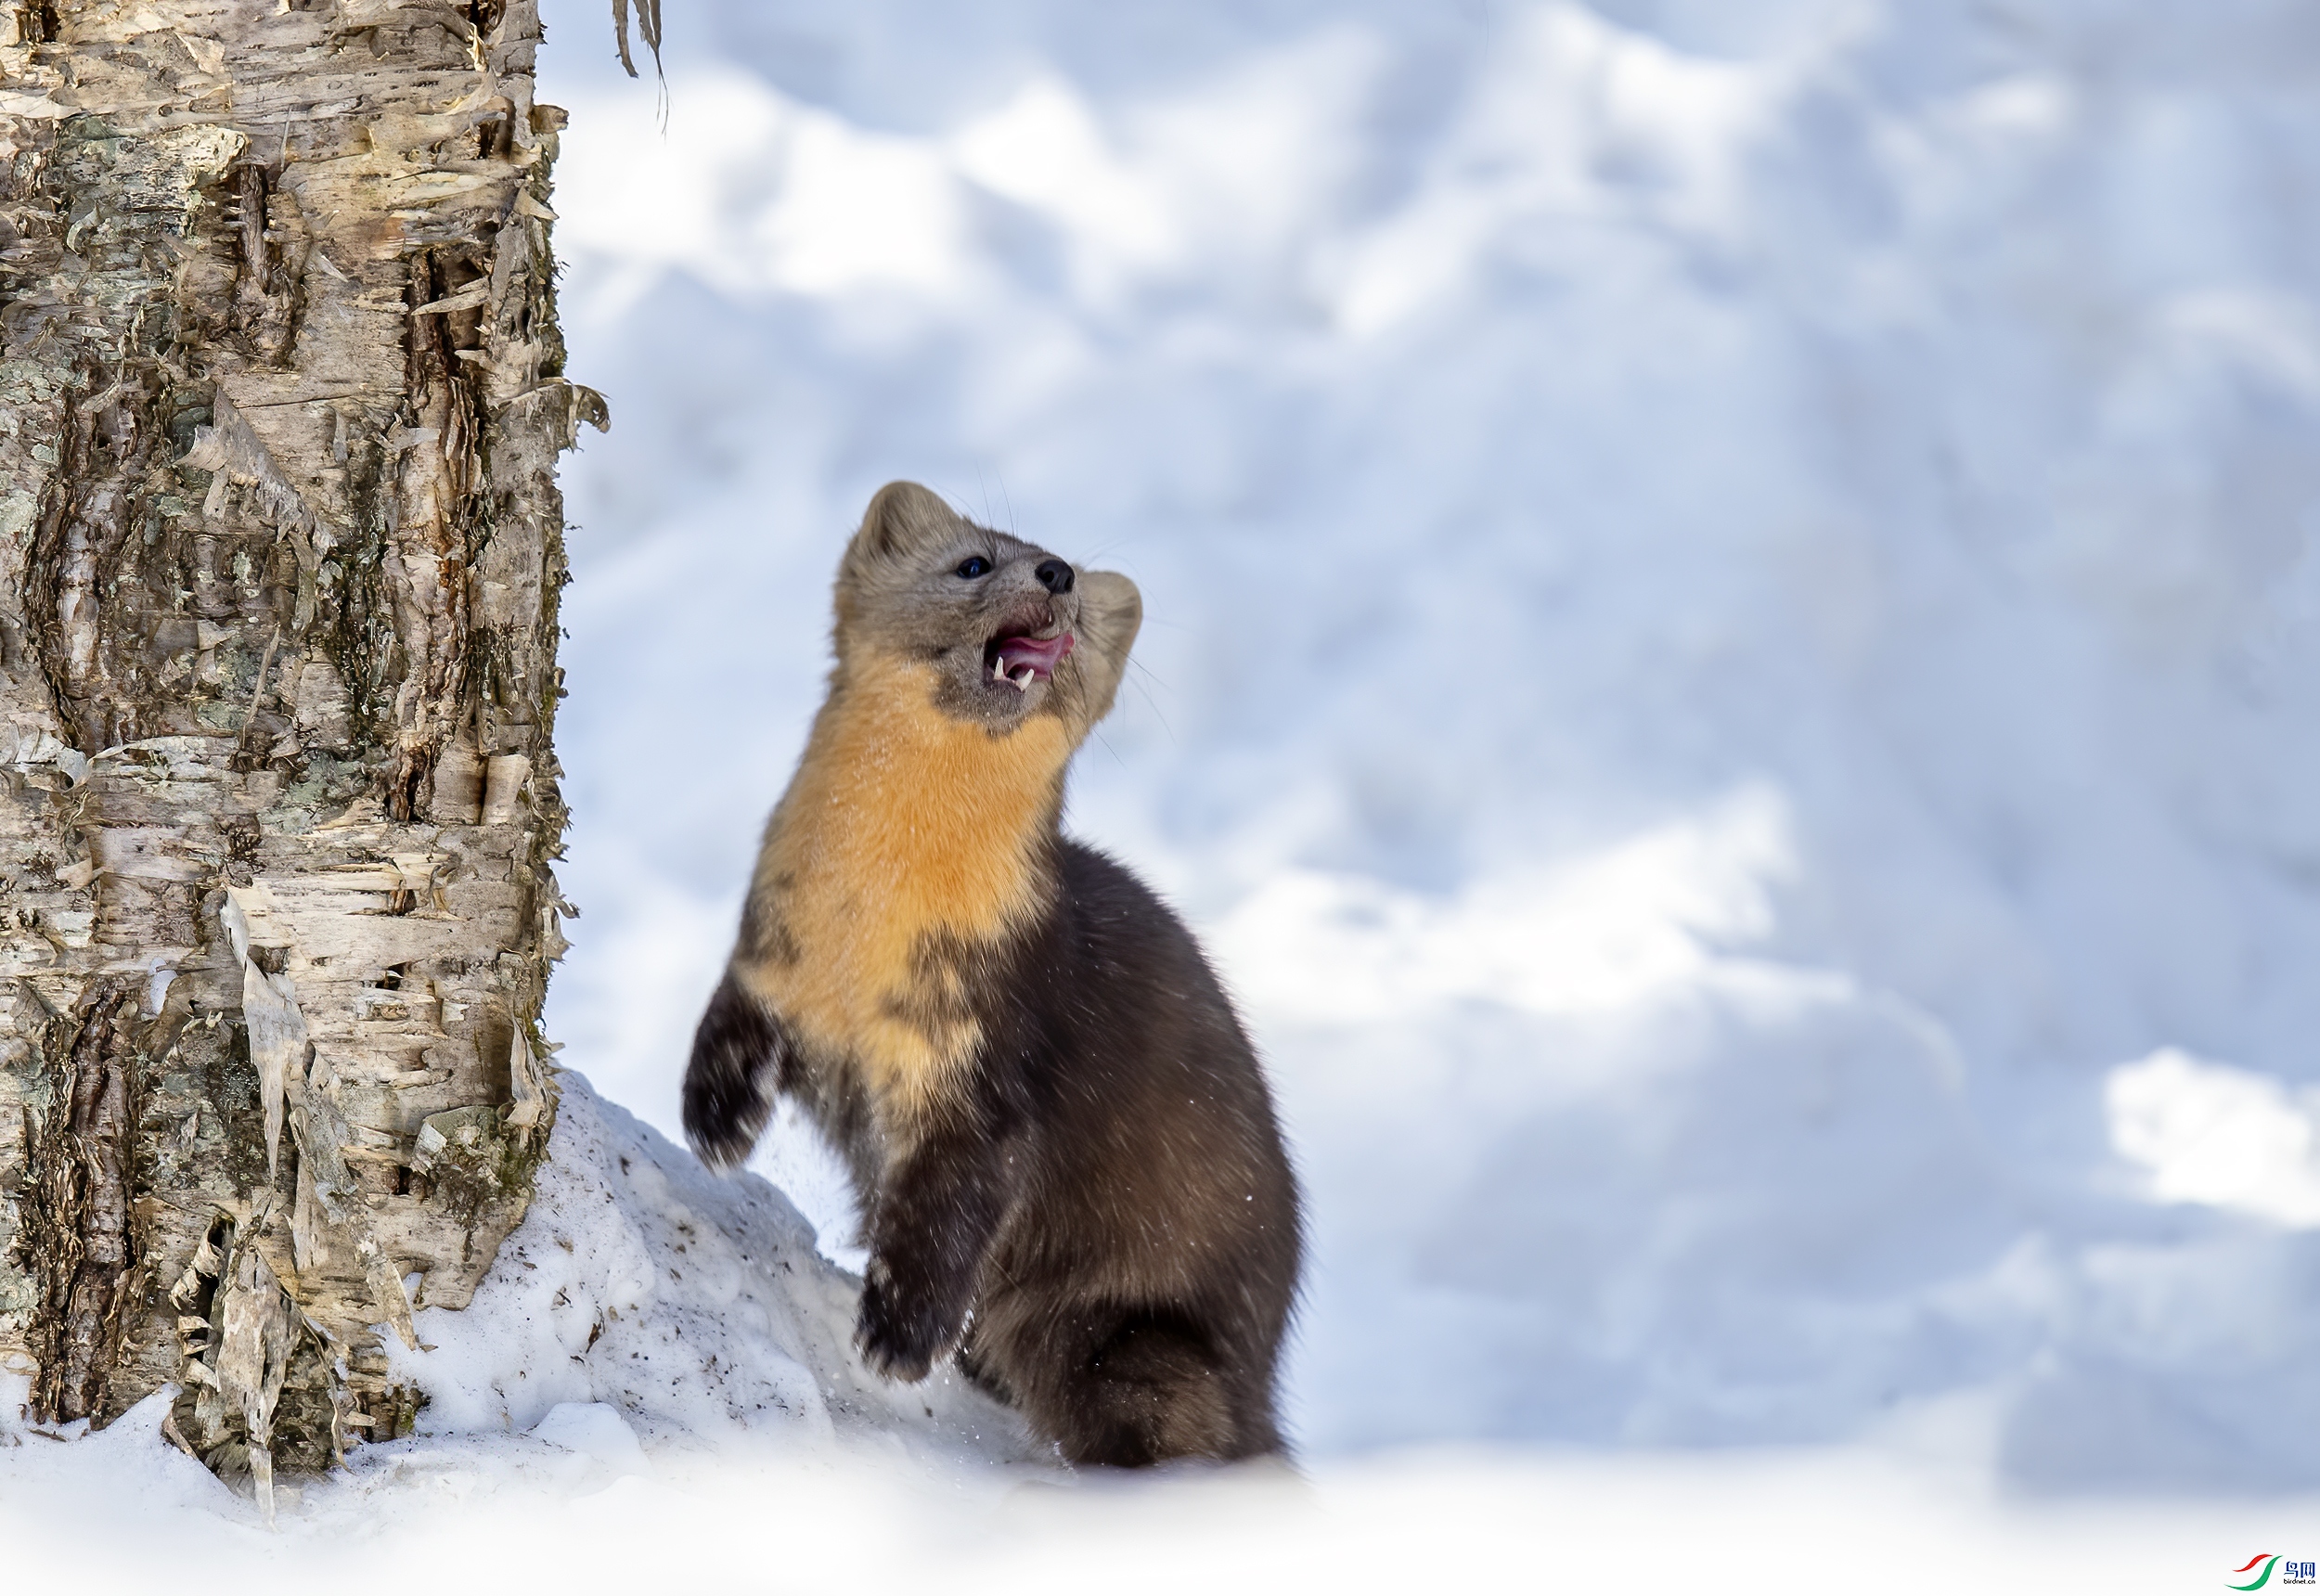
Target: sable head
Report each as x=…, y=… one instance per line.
x=1009, y=629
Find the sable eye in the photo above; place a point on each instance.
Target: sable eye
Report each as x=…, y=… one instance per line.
x=974, y=565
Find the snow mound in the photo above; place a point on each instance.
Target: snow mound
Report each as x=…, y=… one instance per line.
x=693, y=1308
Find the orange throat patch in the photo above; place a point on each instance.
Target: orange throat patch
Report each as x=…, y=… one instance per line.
x=903, y=832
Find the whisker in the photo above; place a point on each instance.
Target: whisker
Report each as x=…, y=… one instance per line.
x=1158, y=713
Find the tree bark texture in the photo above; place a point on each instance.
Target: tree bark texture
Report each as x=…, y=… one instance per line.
x=280, y=545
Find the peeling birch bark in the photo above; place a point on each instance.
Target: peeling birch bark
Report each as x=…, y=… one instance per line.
x=281, y=393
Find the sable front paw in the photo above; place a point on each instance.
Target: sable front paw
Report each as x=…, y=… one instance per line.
x=898, y=1339
x=727, y=1095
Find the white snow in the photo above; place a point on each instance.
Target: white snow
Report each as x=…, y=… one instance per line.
x=122, y=1511
x=1733, y=597
x=1733, y=648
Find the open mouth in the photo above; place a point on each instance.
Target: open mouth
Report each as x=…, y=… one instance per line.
x=1019, y=659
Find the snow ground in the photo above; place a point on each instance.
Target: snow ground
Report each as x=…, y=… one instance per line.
x=652, y=1388
x=457, y=1519
x=1731, y=679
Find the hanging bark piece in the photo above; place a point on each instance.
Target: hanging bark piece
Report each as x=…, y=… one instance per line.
x=527, y=1088
x=648, y=24
x=281, y=393
x=258, y=1327
x=263, y=1380
x=278, y=1046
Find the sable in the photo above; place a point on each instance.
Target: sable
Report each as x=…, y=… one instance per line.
x=1070, y=1170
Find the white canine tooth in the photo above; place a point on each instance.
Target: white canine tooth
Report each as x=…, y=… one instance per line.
x=1022, y=680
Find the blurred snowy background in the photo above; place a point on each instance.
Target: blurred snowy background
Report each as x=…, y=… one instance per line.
x=1735, y=642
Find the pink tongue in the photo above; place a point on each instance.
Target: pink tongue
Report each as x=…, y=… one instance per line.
x=1042, y=656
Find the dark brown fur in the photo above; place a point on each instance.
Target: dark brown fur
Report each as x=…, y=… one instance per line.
x=1067, y=1159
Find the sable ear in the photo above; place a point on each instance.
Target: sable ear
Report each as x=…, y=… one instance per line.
x=903, y=518
x=1112, y=610
x=1110, y=614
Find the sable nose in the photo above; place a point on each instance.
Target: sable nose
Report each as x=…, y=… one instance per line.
x=1054, y=575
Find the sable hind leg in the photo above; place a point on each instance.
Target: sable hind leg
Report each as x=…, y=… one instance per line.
x=739, y=1055
x=1147, y=1388
x=982, y=1372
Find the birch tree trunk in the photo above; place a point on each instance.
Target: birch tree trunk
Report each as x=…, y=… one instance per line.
x=280, y=543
